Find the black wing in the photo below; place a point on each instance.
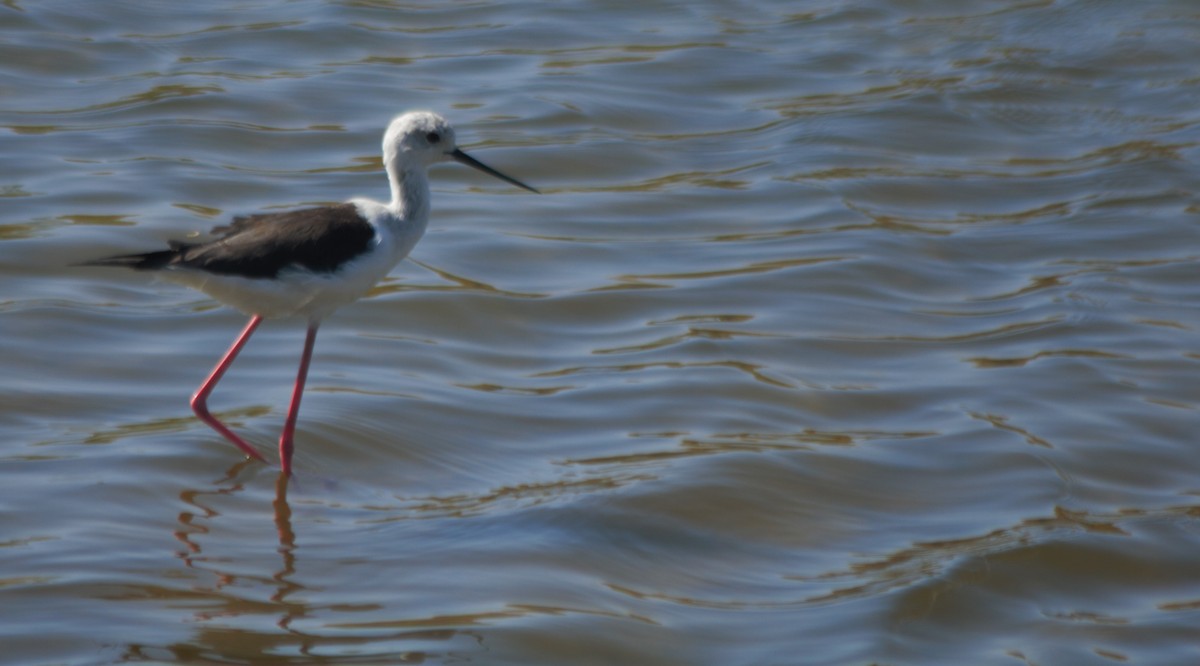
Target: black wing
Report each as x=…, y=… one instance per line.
x=320, y=240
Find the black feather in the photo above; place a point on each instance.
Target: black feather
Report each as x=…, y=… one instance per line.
x=321, y=240
x=148, y=261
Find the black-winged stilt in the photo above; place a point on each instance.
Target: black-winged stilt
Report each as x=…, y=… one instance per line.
x=309, y=262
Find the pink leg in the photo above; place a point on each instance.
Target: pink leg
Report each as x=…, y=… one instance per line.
x=289, y=426
x=200, y=398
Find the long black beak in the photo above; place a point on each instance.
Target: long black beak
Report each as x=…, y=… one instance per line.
x=460, y=156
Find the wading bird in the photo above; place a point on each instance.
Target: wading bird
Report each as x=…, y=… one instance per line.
x=312, y=261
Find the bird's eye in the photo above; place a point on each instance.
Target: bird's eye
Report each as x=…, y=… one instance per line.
x=433, y=137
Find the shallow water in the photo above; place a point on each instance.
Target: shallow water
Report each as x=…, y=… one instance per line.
x=844, y=333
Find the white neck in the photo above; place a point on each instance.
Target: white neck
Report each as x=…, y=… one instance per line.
x=410, y=193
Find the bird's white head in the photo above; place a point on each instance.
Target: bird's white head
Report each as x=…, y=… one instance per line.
x=419, y=136
x=425, y=138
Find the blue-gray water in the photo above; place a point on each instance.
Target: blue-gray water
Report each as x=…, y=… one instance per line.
x=843, y=333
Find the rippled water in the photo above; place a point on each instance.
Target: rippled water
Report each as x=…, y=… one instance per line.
x=844, y=333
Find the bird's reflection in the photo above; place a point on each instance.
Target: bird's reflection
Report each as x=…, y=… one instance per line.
x=287, y=548
x=200, y=521
x=233, y=605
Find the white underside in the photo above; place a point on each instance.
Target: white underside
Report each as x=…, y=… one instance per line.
x=298, y=292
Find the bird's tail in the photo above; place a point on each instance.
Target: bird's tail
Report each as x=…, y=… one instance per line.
x=146, y=261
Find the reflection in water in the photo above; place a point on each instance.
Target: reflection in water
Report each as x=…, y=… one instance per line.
x=287, y=551
x=189, y=520
x=228, y=614
x=192, y=524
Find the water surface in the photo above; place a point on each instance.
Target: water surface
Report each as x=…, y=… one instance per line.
x=844, y=333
